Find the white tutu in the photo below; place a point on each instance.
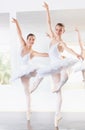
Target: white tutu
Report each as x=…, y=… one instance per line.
x=80, y=66
x=57, y=63
x=24, y=68
x=56, y=67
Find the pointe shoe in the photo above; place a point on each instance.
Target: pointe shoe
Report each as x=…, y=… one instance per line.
x=59, y=86
x=28, y=116
x=31, y=91
x=56, y=90
x=36, y=85
x=57, y=119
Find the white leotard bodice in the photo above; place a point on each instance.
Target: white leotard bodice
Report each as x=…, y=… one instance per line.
x=25, y=59
x=54, y=53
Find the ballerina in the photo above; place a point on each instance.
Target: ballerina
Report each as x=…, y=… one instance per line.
x=57, y=46
x=81, y=66
x=58, y=65
x=26, y=70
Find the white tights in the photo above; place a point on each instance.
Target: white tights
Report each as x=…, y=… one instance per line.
x=25, y=82
x=59, y=80
x=36, y=83
x=58, y=103
x=58, y=115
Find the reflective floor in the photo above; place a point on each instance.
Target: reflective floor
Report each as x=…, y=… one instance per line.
x=41, y=121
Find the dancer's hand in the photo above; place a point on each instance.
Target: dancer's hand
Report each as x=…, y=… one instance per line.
x=14, y=20
x=76, y=29
x=63, y=57
x=80, y=57
x=48, y=35
x=45, y=5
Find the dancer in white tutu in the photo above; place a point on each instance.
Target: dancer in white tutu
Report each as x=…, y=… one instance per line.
x=81, y=64
x=26, y=70
x=58, y=65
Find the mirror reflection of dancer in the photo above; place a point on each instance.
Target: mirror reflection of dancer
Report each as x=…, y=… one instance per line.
x=26, y=70
x=82, y=64
x=58, y=65
x=29, y=127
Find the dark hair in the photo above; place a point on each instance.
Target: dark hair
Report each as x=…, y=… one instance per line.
x=60, y=24
x=30, y=34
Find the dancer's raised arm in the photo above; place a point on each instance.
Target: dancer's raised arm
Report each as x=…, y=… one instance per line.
x=71, y=51
x=48, y=19
x=22, y=41
x=79, y=38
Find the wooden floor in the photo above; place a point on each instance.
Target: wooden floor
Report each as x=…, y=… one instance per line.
x=41, y=121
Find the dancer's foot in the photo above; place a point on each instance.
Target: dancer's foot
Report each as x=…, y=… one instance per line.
x=57, y=128
x=36, y=85
x=56, y=90
x=32, y=90
x=60, y=84
x=29, y=125
x=57, y=119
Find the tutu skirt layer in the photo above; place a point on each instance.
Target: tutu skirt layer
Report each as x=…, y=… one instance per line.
x=56, y=67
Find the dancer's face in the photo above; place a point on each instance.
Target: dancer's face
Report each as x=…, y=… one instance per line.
x=30, y=41
x=59, y=30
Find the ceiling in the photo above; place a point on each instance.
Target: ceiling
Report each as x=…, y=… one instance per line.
x=31, y=5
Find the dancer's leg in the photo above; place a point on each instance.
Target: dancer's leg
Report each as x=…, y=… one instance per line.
x=62, y=81
x=58, y=108
x=57, y=128
x=83, y=74
x=29, y=127
x=36, y=84
x=56, y=79
x=25, y=82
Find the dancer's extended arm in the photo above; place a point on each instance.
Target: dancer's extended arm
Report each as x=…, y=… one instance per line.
x=22, y=41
